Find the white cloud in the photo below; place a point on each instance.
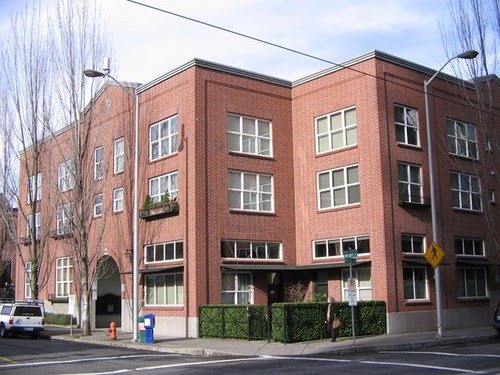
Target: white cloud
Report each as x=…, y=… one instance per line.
x=149, y=43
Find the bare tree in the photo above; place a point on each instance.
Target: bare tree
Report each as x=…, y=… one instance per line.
x=475, y=24
x=25, y=121
x=79, y=44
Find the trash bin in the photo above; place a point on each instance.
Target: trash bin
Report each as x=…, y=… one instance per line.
x=149, y=325
x=142, y=329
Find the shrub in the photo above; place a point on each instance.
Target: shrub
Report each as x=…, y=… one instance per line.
x=59, y=319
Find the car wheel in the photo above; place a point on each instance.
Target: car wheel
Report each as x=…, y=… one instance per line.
x=3, y=331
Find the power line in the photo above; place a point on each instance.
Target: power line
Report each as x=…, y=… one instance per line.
x=295, y=51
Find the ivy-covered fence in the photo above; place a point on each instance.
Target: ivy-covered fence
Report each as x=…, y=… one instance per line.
x=289, y=322
x=234, y=321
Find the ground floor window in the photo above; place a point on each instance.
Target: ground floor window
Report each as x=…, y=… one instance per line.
x=471, y=282
x=27, y=280
x=164, y=289
x=237, y=288
x=64, y=277
x=363, y=283
x=415, y=283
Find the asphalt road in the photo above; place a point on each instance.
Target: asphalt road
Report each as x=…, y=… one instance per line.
x=25, y=356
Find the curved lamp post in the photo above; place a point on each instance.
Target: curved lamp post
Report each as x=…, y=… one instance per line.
x=135, y=267
x=464, y=55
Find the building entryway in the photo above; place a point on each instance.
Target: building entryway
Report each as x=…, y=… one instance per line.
x=108, y=303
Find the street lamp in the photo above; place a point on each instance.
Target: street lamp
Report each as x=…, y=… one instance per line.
x=135, y=253
x=464, y=55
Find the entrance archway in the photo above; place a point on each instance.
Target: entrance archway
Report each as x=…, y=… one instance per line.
x=108, y=306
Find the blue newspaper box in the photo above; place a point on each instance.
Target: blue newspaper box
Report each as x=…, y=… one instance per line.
x=149, y=325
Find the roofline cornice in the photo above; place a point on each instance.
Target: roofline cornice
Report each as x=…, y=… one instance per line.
x=389, y=58
x=218, y=67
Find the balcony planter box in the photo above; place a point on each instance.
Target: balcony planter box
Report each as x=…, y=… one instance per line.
x=159, y=210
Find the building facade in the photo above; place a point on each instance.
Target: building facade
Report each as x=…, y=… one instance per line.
x=251, y=185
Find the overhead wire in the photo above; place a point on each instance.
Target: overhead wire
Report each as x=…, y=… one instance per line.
x=292, y=50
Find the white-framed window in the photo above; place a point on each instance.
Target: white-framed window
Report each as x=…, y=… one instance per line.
x=465, y=191
x=338, y=187
x=164, y=252
x=27, y=280
x=462, y=139
x=336, y=130
x=119, y=164
x=34, y=222
x=335, y=247
x=64, y=276
x=66, y=175
x=164, y=289
x=118, y=199
x=415, y=283
x=472, y=282
x=98, y=163
x=409, y=183
x=406, y=120
x=163, y=138
x=250, y=191
x=363, y=283
x=249, y=135
x=98, y=204
x=237, y=249
x=469, y=246
x=35, y=187
x=161, y=185
x=237, y=288
x=413, y=243
x=64, y=219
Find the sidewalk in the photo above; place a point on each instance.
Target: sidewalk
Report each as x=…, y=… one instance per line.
x=212, y=347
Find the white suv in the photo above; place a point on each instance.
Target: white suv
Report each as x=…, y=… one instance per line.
x=27, y=317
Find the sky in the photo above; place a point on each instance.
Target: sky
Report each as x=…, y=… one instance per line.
x=148, y=43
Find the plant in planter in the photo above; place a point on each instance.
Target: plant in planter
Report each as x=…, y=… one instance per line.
x=148, y=202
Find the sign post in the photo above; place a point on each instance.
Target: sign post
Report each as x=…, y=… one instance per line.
x=350, y=256
x=71, y=311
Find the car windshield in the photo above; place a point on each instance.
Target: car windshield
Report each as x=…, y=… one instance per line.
x=28, y=311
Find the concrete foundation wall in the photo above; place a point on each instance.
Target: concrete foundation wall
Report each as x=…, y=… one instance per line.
x=415, y=321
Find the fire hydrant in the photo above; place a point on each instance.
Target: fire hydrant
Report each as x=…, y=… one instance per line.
x=112, y=331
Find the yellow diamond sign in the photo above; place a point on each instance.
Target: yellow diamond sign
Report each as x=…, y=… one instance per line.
x=434, y=254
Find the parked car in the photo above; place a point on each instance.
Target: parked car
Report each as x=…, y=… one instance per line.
x=27, y=317
x=496, y=318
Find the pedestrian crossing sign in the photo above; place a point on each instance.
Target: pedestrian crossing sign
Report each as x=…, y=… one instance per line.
x=434, y=254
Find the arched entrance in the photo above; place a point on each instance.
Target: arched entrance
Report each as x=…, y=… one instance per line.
x=108, y=304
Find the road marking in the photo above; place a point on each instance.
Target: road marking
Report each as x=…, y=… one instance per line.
x=48, y=363
x=445, y=354
x=469, y=371
x=204, y=363
x=7, y=360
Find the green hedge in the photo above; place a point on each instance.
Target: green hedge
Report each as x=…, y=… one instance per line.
x=59, y=319
x=290, y=322
x=233, y=321
x=293, y=322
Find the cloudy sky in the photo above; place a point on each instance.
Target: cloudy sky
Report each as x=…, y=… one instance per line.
x=149, y=43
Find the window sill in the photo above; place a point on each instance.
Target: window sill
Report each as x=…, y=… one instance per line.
x=466, y=211
x=249, y=212
x=336, y=151
x=414, y=302
x=333, y=209
x=409, y=146
x=256, y=156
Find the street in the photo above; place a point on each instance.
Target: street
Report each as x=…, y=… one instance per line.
x=25, y=356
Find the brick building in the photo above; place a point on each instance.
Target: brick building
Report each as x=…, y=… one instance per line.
x=270, y=182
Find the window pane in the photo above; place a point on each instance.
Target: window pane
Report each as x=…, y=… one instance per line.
x=350, y=117
x=320, y=248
